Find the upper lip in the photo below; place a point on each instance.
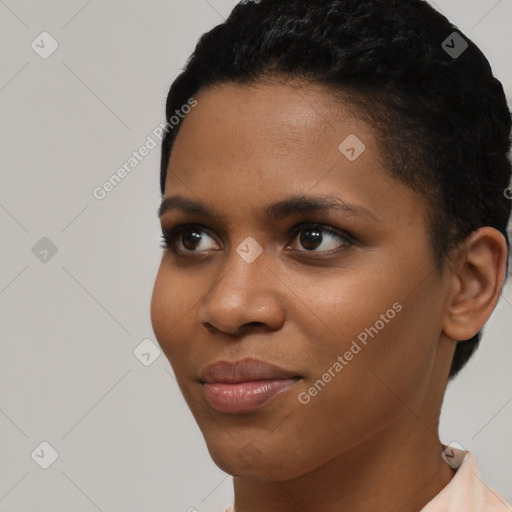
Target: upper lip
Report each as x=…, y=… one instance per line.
x=243, y=370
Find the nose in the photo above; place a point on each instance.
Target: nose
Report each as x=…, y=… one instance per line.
x=246, y=296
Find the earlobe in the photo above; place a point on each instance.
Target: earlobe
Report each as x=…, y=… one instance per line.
x=477, y=281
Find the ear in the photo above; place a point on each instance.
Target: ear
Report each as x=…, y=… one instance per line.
x=475, y=282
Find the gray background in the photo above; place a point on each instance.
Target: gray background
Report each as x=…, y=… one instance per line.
x=69, y=325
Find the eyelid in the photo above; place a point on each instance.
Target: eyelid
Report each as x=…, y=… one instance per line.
x=169, y=236
x=324, y=228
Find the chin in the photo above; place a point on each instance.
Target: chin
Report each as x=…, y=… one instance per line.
x=246, y=461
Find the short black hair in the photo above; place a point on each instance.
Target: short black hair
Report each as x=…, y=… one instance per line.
x=441, y=116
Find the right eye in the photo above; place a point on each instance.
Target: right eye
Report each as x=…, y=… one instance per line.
x=189, y=235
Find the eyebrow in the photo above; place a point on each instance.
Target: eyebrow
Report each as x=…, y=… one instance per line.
x=276, y=211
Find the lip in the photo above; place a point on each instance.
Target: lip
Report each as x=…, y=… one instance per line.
x=244, y=385
x=244, y=370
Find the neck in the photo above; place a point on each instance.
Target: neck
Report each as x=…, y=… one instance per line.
x=399, y=469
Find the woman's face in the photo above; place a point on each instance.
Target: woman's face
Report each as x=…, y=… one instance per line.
x=354, y=312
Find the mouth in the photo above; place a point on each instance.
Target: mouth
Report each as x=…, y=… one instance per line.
x=246, y=396
x=245, y=385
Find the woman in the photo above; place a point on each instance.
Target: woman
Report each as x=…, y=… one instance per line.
x=334, y=216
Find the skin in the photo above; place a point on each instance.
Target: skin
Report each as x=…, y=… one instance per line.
x=368, y=441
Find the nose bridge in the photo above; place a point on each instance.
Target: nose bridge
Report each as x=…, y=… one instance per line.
x=243, y=277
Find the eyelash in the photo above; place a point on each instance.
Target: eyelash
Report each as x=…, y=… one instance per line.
x=169, y=236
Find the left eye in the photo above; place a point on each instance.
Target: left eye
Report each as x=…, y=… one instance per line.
x=313, y=235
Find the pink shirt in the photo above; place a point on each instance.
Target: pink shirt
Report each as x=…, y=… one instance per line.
x=466, y=492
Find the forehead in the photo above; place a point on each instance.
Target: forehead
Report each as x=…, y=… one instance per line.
x=282, y=112
x=261, y=142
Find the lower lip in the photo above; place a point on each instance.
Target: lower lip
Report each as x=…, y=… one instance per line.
x=244, y=396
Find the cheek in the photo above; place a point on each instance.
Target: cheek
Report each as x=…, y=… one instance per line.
x=385, y=334
x=408, y=364
x=336, y=310
x=389, y=342
x=159, y=303
x=170, y=314
x=384, y=379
